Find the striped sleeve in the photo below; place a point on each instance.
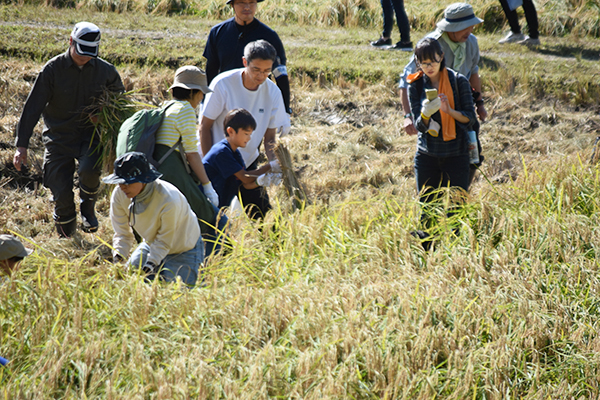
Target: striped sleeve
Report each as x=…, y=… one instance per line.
x=180, y=120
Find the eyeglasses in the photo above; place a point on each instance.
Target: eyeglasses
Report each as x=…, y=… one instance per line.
x=258, y=71
x=430, y=64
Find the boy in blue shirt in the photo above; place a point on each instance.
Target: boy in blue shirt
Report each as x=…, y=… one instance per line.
x=225, y=167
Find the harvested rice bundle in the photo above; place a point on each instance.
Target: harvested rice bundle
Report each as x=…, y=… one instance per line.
x=108, y=113
x=290, y=180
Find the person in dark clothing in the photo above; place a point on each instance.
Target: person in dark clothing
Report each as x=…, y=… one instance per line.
x=461, y=53
x=442, y=159
x=515, y=35
x=389, y=8
x=63, y=90
x=226, y=42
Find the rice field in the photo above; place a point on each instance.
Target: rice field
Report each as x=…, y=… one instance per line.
x=333, y=299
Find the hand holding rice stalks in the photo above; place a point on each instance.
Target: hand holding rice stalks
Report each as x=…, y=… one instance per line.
x=107, y=114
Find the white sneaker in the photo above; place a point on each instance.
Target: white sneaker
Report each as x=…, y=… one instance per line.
x=512, y=38
x=530, y=42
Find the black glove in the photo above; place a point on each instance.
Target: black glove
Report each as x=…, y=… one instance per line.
x=150, y=270
x=149, y=267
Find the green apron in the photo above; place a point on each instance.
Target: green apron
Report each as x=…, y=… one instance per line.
x=174, y=171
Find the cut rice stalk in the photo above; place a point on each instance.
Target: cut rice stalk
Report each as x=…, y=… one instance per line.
x=290, y=179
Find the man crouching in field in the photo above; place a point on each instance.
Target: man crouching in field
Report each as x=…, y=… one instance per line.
x=63, y=91
x=160, y=214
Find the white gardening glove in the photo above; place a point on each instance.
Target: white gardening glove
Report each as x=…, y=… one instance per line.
x=434, y=128
x=261, y=180
x=286, y=124
x=269, y=179
x=210, y=194
x=275, y=167
x=276, y=179
x=431, y=107
x=284, y=130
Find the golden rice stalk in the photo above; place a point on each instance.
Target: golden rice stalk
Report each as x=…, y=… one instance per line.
x=290, y=180
x=108, y=112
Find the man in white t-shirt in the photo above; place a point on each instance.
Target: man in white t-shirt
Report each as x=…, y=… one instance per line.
x=249, y=88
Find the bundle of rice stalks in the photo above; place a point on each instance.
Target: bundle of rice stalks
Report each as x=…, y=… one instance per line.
x=108, y=113
x=290, y=180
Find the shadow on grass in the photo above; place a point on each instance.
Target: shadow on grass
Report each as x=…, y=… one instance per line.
x=488, y=63
x=570, y=51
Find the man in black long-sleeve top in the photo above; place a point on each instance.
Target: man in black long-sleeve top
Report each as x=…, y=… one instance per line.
x=226, y=41
x=66, y=86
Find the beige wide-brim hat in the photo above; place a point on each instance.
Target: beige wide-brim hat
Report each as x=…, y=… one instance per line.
x=11, y=247
x=458, y=16
x=191, y=77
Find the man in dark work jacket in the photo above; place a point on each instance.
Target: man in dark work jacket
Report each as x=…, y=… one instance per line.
x=66, y=86
x=226, y=42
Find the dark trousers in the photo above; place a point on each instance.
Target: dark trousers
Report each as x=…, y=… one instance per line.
x=390, y=7
x=255, y=201
x=59, y=169
x=434, y=173
x=530, y=16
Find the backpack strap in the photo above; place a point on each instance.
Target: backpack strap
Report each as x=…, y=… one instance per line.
x=178, y=145
x=454, y=82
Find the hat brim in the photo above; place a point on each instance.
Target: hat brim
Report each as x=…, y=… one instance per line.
x=446, y=26
x=25, y=252
x=150, y=176
x=205, y=89
x=86, y=51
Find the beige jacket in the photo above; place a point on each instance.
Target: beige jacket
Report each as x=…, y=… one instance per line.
x=162, y=216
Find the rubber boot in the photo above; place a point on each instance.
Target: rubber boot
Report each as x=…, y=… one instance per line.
x=65, y=227
x=87, y=210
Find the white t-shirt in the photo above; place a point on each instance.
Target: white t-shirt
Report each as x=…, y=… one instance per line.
x=265, y=104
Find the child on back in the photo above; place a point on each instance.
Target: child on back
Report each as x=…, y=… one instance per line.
x=225, y=166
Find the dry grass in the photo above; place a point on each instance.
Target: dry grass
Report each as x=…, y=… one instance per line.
x=556, y=17
x=335, y=300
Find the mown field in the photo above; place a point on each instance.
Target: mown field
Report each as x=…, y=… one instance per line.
x=336, y=300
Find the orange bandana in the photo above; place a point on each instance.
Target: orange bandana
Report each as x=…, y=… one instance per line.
x=448, y=123
x=413, y=77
